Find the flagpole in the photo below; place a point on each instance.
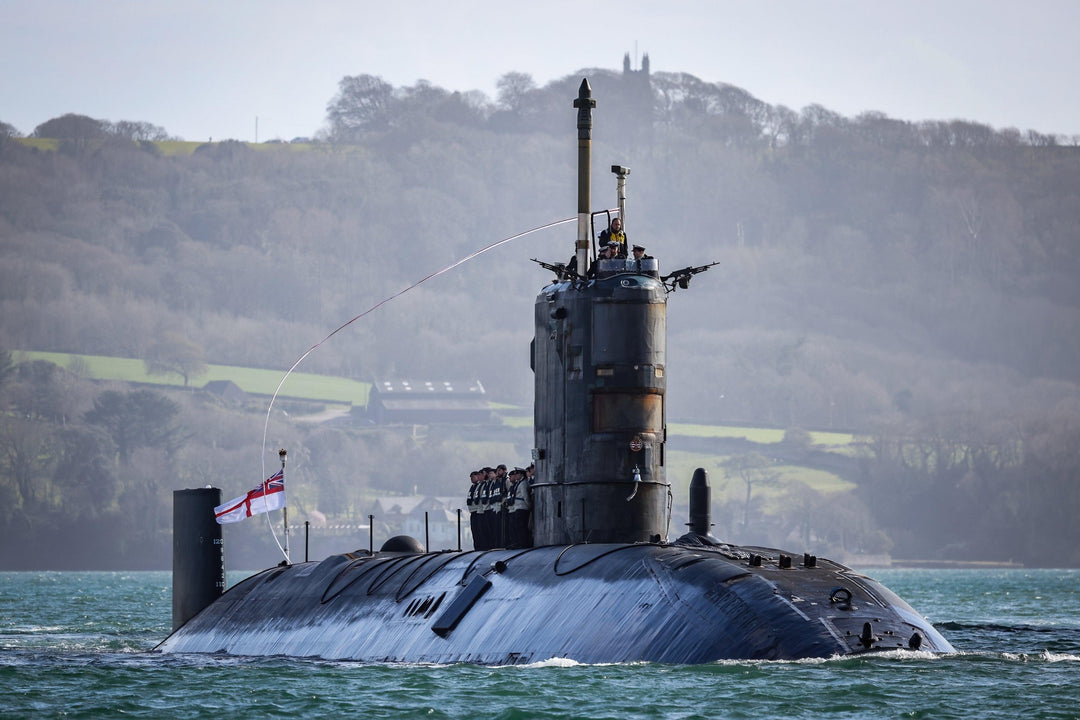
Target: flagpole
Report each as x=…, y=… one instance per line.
x=283, y=454
x=266, y=511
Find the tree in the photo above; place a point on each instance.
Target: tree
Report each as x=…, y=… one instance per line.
x=420, y=105
x=84, y=471
x=362, y=103
x=513, y=88
x=751, y=469
x=75, y=131
x=138, y=419
x=174, y=353
x=25, y=454
x=139, y=131
x=7, y=366
x=44, y=391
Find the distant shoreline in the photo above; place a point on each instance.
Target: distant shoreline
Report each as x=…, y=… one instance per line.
x=957, y=564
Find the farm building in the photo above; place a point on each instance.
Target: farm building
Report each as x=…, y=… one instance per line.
x=409, y=402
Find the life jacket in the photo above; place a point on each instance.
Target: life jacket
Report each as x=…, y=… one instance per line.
x=620, y=237
x=521, y=495
x=496, y=494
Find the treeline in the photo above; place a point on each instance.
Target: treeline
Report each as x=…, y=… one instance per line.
x=996, y=486
x=875, y=274
x=87, y=469
x=78, y=133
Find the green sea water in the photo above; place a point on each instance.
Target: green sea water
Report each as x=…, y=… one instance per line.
x=80, y=645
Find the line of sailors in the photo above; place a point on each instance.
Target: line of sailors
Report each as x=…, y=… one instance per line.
x=500, y=507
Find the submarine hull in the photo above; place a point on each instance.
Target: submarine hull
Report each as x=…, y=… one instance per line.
x=666, y=603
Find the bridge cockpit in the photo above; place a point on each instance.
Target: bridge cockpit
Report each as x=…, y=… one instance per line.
x=621, y=266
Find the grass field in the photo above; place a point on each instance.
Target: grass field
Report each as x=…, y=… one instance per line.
x=762, y=436
x=680, y=467
x=40, y=143
x=184, y=147
x=300, y=386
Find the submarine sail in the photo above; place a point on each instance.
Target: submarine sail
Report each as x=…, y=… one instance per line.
x=598, y=358
x=602, y=581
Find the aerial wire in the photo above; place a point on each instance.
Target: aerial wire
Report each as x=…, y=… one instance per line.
x=373, y=308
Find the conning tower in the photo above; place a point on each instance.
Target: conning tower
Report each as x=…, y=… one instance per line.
x=599, y=357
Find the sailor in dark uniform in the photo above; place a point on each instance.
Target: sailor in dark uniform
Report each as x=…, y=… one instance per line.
x=473, y=504
x=519, y=506
x=492, y=500
x=512, y=479
x=639, y=255
x=608, y=251
x=484, y=519
x=497, y=508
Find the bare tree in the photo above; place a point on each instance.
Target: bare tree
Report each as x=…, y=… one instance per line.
x=751, y=469
x=139, y=131
x=362, y=103
x=513, y=88
x=25, y=456
x=174, y=353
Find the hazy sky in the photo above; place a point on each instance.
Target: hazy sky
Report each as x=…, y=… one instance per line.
x=208, y=68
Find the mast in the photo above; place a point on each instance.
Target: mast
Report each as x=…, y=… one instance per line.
x=584, y=104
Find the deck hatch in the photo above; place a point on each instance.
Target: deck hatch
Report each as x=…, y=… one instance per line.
x=461, y=605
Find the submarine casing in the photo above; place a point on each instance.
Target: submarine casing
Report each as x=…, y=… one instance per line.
x=602, y=602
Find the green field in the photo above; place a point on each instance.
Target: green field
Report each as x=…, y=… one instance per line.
x=762, y=436
x=680, y=468
x=40, y=143
x=185, y=147
x=299, y=386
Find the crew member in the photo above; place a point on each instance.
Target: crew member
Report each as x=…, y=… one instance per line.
x=473, y=504
x=486, y=475
x=493, y=511
x=499, y=497
x=520, y=506
x=608, y=251
x=615, y=234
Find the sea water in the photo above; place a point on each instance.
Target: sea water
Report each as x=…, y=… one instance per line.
x=80, y=645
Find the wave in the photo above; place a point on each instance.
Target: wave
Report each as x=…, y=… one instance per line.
x=554, y=662
x=1044, y=656
x=1010, y=628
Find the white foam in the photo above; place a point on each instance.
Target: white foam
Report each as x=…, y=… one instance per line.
x=554, y=662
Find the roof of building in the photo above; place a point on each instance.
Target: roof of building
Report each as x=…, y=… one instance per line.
x=428, y=387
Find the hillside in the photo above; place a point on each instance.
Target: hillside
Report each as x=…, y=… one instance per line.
x=913, y=282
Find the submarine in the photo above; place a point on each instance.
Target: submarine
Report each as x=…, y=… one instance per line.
x=602, y=581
